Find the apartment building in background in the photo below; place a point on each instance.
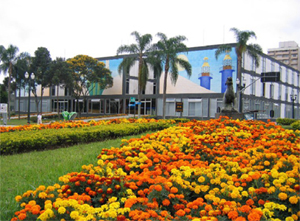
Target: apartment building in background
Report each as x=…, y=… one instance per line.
x=288, y=53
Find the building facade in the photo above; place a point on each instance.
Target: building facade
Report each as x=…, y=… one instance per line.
x=201, y=94
x=288, y=53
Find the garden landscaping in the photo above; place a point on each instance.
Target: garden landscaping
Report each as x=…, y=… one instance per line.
x=219, y=169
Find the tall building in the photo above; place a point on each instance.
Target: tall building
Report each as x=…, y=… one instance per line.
x=288, y=53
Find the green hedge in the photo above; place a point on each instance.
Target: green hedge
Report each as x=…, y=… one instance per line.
x=296, y=125
x=285, y=121
x=24, y=141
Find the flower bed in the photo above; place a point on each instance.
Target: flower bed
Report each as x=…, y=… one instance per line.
x=75, y=124
x=201, y=170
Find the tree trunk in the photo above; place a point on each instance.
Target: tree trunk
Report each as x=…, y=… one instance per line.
x=9, y=80
x=139, y=86
x=19, y=101
x=41, y=104
x=165, y=88
x=239, y=76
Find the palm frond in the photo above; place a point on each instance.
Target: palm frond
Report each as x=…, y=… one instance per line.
x=222, y=49
x=186, y=66
x=254, y=50
x=125, y=65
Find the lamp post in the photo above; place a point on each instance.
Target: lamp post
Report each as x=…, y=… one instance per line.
x=293, y=98
x=28, y=76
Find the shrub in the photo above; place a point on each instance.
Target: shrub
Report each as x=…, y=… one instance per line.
x=296, y=125
x=285, y=121
x=24, y=141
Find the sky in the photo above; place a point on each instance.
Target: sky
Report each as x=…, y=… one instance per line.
x=98, y=27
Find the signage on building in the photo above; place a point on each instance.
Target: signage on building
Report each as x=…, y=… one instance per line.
x=3, y=108
x=270, y=77
x=179, y=106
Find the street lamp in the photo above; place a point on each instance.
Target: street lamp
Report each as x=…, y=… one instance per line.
x=28, y=76
x=293, y=98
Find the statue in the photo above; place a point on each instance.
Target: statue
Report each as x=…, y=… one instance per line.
x=229, y=97
x=69, y=115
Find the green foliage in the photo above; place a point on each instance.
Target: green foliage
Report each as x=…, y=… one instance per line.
x=285, y=121
x=24, y=141
x=296, y=125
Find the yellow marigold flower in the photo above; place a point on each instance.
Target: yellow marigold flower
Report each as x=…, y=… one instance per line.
x=271, y=190
x=201, y=179
x=42, y=195
x=293, y=200
x=74, y=214
x=267, y=163
x=61, y=210
x=48, y=206
x=289, y=218
x=245, y=193
x=282, y=196
x=18, y=198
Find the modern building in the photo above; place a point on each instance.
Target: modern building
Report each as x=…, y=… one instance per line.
x=288, y=53
x=201, y=94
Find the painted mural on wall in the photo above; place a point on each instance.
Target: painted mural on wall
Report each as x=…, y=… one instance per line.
x=209, y=72
x=112, y=65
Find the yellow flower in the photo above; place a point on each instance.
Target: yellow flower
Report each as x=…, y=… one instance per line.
x=282, y=196
x=74, y=214
x=201, y=179
x=18, y=198
x=289, y=218
x=61, y=210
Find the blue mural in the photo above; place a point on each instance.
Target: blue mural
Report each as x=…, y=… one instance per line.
x=113, y=67
x=209, y=72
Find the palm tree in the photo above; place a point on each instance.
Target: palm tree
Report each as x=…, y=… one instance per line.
x=138, y=52
x=166, y=51
x=21, y=66
x=253, y=50
x=8, y=58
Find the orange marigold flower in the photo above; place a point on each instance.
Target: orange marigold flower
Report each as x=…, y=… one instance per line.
x=253, y=216
x=282, y=196
x=261, y=202
x=293, y=200
x=158, y=188
x=173, y=190
x=233, y=214
x=180, y=212
x=240, y=218
x=22, y=216
x=249, y=202
x=166, y=202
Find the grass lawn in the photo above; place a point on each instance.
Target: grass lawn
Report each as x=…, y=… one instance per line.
x=27, y=171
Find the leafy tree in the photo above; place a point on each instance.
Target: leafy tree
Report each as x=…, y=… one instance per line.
x=59, y=74
x=86, y=73
x=166, y=51
x=253, y=50
x=3, y=94
x=139, y=52
x=8, y=58
x=40, y=65
x=19, y=70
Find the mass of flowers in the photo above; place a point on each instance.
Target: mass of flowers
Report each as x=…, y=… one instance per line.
x=219, y=169
x=74, y=124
